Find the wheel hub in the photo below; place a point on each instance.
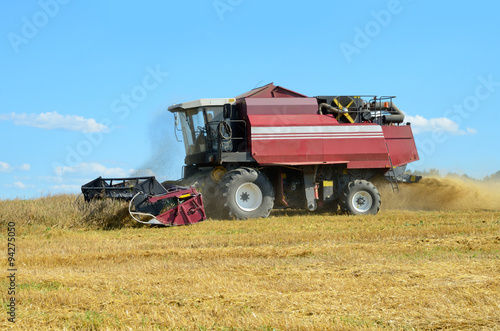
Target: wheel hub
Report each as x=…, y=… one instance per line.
x=362, y=201
x=245, y=196
x=248, y=197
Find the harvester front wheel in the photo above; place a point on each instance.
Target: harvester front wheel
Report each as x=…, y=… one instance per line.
x=360, y=197
x=245, y=193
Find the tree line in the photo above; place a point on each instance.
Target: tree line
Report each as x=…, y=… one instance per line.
x=436, y=173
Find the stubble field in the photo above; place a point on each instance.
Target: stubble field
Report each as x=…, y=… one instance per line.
x=429, y=260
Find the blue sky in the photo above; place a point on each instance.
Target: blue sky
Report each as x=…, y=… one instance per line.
x=85, y=84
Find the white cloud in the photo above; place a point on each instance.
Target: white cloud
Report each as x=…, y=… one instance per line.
x=93, y=168
x=22, y=177
x=420, y=124
x=65, y=188
x=53, y=120
x=471, y=131
x=25, y=167
x=4, y=167
x=51, y=179
x=19, y=185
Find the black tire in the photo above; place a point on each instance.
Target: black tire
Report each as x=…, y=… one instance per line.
x=360, y=197
x=245, y=193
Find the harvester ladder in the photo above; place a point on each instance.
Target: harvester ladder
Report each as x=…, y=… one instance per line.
x=392, y=175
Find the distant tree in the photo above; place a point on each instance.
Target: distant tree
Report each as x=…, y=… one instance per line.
x=493, y=177
x=426, y=172
x=465, y=176
x=433, y=173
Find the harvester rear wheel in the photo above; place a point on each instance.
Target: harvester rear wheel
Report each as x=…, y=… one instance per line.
x=360, y=197
x=245, y=193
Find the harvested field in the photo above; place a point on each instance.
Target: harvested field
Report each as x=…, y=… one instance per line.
x=403, y=270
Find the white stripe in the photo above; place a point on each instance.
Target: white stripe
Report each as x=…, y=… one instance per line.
x=317, y=129
x=314, y=137
x=319, y=134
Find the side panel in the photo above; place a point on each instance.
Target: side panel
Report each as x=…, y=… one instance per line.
x=401, y=144
x=280, y=106
x=316, y=139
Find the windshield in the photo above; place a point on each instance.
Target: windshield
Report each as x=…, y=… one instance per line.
x=194, y=130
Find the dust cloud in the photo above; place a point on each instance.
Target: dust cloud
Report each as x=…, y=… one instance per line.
x=167, y=154
x=445, y=193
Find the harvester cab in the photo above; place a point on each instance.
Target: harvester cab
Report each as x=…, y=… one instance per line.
x=197, y=120
x=210, y=131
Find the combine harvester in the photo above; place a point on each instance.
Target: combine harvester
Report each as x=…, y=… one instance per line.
x=275, y=148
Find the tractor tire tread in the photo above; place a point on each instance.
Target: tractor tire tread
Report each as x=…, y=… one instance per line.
x=225, y=209
x=344, y=198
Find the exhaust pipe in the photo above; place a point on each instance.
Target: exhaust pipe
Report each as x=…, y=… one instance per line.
x=396, y=115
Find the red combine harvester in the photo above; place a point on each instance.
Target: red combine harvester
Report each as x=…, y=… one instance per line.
x=275, y=148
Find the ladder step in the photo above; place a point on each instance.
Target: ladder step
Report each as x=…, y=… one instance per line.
x=394, y=184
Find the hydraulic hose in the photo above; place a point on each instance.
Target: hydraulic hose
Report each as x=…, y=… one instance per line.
x=324, y=106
